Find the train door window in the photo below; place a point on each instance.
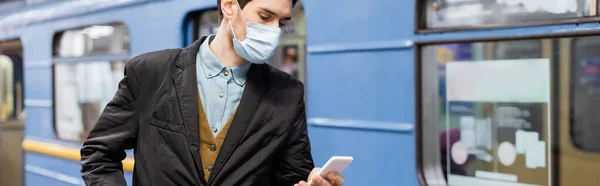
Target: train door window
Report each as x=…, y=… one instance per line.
x=489, y=133
x=585, y=94
x=579, y=99
x=88, y=65
x=469, y=13
x=11, y=80
x=490, y=113
x=289, y=57
x=94, y=40
x=207, y=23
x=518, y=49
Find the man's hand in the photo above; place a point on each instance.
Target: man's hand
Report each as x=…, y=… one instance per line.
x=333, y=179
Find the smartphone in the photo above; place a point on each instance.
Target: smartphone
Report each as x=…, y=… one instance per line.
x=336, y=164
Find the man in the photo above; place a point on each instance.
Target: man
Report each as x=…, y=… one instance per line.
x=209, y=114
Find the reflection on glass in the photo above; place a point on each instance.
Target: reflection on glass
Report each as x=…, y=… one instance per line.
x=479, y=125
x=452, y=13
x=81, y=91
x=93, y=40
x=518, y=49
x=6, y=88
x=476, y=136
x=500, y=141
x=507, y=134
x=11, y=87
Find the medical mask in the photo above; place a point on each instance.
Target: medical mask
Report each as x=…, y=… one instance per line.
x=260, y=42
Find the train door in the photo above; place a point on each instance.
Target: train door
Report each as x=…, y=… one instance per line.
x=11, y=112
x=553, y=143
x=579, y=104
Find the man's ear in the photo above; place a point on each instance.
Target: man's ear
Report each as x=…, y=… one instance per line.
x=229, y=9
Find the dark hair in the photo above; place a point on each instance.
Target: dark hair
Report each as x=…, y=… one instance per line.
x=242, y=5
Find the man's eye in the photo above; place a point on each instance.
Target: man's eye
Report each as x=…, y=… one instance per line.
x=281, y=25
x=264, y=18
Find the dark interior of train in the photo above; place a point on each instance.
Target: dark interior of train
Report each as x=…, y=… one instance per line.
x=11, y=115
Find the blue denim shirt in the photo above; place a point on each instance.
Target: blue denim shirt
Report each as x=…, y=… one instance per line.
x=220, y=88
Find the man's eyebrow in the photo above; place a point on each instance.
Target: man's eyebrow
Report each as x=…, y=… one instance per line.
x=269, y=11
x=273, y=13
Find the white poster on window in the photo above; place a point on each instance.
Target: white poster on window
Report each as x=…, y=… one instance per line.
x=513, y=101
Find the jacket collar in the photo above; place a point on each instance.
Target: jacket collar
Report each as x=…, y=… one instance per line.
x=187, y=57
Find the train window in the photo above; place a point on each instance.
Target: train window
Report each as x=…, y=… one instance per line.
x=92, y=40
x=489, y=133
x=289, y=57
x=585, y=93
x=88, y=80
x=469, y=13
x=6, y=84
x=518, y=49
x=11, y=80
x=208, y=23
x=81, y=91
x=506, y=127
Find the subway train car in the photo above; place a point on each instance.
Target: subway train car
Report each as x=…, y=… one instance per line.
x=73, y=53
x=419, y=92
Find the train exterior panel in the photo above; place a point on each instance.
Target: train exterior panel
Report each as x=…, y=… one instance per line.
x=332, y=100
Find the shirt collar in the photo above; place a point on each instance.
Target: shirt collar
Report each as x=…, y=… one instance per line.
x=240, y=73
x=211, y=64
x=213, y=67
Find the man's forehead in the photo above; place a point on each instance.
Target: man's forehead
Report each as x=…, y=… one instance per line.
x=279, y=7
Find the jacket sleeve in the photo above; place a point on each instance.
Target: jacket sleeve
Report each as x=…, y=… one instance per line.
x=295, y=159
x=114, y=132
